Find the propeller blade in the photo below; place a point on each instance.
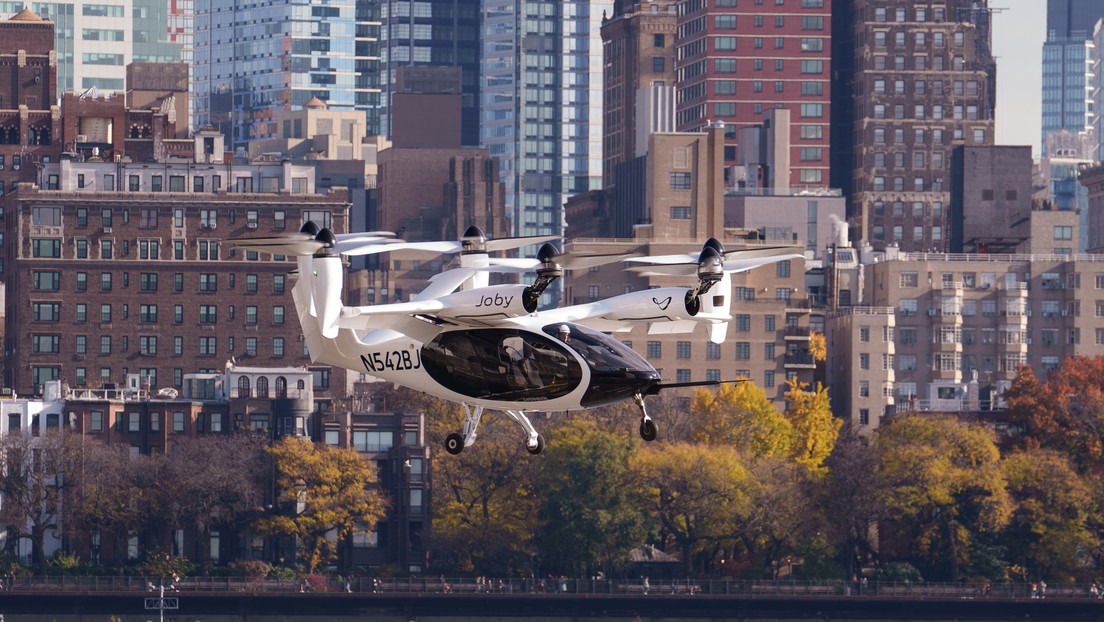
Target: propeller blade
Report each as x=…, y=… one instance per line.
x=504, y=244
x=730, y=265
x=353, y=248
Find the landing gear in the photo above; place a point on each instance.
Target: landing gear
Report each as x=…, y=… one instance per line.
x=534, y=443
x=455, y=442
x=648, y=430
x=536, y=449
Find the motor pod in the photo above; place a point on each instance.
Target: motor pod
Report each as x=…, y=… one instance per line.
x=326, y=292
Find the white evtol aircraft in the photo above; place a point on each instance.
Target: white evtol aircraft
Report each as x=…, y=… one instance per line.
x=487, y=346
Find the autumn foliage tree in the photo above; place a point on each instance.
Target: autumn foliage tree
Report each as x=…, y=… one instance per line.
x=330, y=491
x=740, y=415
x=815, y=428
x=1065, y=412
x=944, y=485
x=696, y=492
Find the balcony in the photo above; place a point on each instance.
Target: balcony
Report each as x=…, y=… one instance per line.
x=799, y=360
x=797, y=332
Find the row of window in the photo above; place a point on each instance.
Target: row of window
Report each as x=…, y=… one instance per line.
x=148, y=313
x=156, y=183
x=919, y=38
x=920, y=136
x=920, y=88
x=149, y=217
x=919, y=184
x=920, y=159
x=50, y=281
x=969, y=335
x=919, y=62
x=40, y=374
x=147, y=345
x=148, y=248
x=920, y=14
x=957, y=361
x=920, y=112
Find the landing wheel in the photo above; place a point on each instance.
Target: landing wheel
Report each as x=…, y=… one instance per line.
x=454, y=443
x=648, y=430
x=538, y=448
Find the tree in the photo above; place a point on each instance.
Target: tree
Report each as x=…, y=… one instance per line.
x=943, y=482
x=695, y=492
x=485, y=510
x=1066, y=412
x=212, y=480
x=815, y=428
x=782, y=519
x=38, y=471
x=115, y=492
x=854, y=500
x=1050, y=530
x=589, y=516
x=329, y=489
x=740, y=415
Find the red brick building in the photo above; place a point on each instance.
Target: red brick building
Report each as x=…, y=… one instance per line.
x=737, y=60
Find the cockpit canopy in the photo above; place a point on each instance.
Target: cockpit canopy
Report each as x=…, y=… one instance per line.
x=502, y=363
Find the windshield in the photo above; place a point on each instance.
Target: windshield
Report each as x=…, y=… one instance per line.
x=601, y=351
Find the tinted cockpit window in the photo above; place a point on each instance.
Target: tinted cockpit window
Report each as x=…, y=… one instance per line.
x=506, y=364
x=601, y=351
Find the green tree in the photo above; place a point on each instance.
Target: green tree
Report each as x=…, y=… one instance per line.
x=590, y=518
x=815, y=428
x=854, y=500
x=485, y=510
x=1050, y=531
x=740, y=415
x=697, y=493
x=330, y=489
x=943, y=482
x=783, y=519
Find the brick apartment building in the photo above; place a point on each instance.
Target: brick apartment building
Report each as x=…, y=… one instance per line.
x=124, y=268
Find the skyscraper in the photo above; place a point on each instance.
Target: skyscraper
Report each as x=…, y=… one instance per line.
x=433, y=33
x=1068, y=66
x=542, y=104
x=736, y=60
x=923, y=80
x=256, y=58
x=96, y=41
x=638, y=43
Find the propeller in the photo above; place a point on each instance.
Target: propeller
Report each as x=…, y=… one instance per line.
x=310, y=240
x=473, y=241
x=710, y=265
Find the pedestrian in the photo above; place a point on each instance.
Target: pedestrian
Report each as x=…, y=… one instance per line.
x=1034, y=590
x=1042, y=589
x=647, y=585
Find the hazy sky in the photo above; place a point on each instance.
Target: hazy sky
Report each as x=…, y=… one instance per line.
x=1018, y=33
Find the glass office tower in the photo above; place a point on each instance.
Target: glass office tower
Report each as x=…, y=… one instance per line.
x=1068, y=66
x=542, y=104
x=434, y=33
x=254, y=58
